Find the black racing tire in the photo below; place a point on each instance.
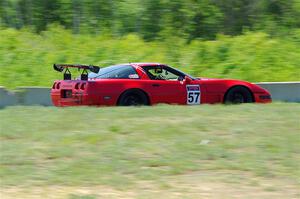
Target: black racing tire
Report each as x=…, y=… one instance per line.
x=238, y=95
x=133, y=97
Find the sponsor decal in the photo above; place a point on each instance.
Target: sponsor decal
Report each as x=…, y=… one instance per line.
x=133, y=76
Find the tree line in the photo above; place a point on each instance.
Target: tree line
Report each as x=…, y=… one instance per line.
x=154, y=19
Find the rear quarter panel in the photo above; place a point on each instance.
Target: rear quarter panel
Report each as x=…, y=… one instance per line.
x=108, y=91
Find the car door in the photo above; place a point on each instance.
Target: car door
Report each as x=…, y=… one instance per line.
x=165, y=86
x=166, y=91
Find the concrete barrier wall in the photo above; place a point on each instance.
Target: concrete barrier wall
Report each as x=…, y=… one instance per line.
x=283, y=91
x=25, y=96
x=34, y=96
x=280, y=91
x=7, y=98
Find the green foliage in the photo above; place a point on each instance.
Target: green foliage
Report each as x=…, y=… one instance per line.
x=26, y=58
x=190, y=34
x=152, y=19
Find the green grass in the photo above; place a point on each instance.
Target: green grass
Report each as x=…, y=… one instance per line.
x=26, y=58
x=121, y=147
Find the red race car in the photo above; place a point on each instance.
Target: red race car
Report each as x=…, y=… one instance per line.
x=148, y=84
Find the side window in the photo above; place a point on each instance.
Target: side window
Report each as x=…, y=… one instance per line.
x=123, y=73
x=168, y=75
x=162, y=73
x=116, y=72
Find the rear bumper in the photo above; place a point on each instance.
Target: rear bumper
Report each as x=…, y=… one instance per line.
x=75, y=100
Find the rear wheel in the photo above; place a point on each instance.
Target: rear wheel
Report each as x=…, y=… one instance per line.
x=133, y=98
x=238, y=95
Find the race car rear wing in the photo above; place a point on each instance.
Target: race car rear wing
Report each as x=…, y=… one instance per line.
x=67, y=73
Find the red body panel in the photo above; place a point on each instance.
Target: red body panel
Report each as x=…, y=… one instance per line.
x=106, y=92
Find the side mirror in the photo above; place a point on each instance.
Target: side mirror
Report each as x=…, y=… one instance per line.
x=187, y=79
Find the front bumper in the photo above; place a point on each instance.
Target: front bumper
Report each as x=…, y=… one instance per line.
x=262, y=97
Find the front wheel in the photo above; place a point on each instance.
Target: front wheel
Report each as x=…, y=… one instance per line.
x=133, y=98
x=238, y=95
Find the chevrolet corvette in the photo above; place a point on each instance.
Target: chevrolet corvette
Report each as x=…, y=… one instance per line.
x=148, y=84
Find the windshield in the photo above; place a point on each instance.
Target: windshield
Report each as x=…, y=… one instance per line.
x=183, y=73
x=115, y=72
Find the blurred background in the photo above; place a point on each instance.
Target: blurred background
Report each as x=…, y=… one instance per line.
x=257, y=40
x=246, y=151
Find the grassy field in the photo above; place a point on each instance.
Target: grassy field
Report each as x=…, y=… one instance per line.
x=245, y=151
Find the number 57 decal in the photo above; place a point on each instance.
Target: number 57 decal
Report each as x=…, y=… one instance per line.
x=193, y=94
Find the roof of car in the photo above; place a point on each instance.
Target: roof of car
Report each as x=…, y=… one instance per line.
x=140, y=64
x=145, y=64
